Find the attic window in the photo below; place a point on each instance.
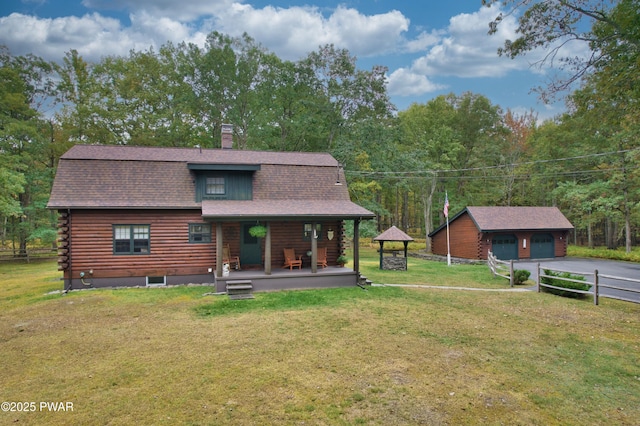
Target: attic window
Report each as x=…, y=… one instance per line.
x=215, y=186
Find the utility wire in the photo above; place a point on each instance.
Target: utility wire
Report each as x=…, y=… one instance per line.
x=469, y=169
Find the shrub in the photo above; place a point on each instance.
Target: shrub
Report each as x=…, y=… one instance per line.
x=520, y=276
x=258, y=231
x=564, y=284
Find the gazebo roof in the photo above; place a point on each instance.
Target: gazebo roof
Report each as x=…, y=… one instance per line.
x=393, y=234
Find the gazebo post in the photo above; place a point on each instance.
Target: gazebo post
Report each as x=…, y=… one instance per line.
x=381, y=252
x=406, y=255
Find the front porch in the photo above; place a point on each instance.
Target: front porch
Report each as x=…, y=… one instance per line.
x=285, y=279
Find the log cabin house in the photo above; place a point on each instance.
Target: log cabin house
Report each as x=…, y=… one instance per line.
x=508, y=232
x=142, y=216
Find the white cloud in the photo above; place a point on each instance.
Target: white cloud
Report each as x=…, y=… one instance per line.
x=291, y=32
x=405, y=82
x=463, y=49
x=468, y=50
x=424, y=41
x=50, y=38
x=182, y=10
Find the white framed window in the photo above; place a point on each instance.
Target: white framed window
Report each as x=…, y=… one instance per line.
x=215, y=186
x=131, y=239
x=156, y=281
x=199, y=233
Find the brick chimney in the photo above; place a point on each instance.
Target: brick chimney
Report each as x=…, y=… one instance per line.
x=227, y=136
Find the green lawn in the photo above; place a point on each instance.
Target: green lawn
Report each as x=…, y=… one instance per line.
x=346, y=356
x=428, y=272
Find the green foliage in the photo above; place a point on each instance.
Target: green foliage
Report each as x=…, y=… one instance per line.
x=561, y=281
x=367, y=229
x=26, y=160
x=396, y=166
x=604, y=253
x=520, y=276
x=258, y=231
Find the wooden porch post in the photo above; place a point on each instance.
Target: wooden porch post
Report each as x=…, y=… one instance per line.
x=219, y=249
x=314, y=248
x=267, y=250
x=356, y=245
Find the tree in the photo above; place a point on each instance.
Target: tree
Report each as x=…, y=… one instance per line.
x=608, y=104
x=551, y=25
x=26, y=82
x=520, y=129
x=478, y=128
x=344, y=93
x=224, y=77
x=290, y=116
x=429, y=140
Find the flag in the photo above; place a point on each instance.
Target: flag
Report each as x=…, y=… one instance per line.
x=446, y=205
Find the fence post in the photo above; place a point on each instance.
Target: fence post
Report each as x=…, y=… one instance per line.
x=511, y=277
x=492, y=265
x=538, y=277
x=595, y=287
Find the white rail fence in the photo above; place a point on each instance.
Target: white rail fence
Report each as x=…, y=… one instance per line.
x=500, y=268
x=596, y=281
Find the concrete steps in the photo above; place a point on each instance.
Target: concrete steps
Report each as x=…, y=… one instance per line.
x=240, y=289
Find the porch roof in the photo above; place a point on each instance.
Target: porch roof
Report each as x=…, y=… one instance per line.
x=291, y=209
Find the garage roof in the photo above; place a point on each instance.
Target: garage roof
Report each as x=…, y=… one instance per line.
x=500, y=219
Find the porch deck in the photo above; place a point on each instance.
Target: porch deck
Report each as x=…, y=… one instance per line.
x=285, y=279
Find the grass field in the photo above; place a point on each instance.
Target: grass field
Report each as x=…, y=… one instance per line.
x=345, y=356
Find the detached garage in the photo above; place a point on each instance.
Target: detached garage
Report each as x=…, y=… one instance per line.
x=509, y=232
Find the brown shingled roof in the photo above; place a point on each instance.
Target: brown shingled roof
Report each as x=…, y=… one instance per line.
x=286, y=184
x=393, y=234
x=292, y=208
x=196, y=155
x=498, y=219
x=122, y=184
x=518, y=218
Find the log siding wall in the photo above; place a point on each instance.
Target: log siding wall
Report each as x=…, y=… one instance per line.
x=463, y=236
x=86, y=244
x=171, y=253
x=468, y=243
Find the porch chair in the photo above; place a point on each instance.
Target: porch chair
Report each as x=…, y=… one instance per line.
x=231, y=260
x=290, y=259
x=322, y=257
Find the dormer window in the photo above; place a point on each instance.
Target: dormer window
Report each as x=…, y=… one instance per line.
x=215, y=186
x=223, y=181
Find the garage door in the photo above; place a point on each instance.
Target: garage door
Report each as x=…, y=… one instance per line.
x=542, y=246
x=505, y=247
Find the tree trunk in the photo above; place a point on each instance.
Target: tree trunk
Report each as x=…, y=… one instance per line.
x=405, y=210
x=627, y=224
x=428, y=204
x=610, y=234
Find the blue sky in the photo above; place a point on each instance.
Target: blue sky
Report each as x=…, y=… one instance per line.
x=430, y=48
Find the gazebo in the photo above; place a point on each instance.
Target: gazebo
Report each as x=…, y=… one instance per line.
x=393, y=262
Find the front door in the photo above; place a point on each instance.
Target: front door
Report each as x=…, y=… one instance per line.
x=250, y=247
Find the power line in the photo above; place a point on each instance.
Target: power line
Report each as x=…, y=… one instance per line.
x=502, y=166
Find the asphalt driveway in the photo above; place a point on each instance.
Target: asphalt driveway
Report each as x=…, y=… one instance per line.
x=588, y=266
